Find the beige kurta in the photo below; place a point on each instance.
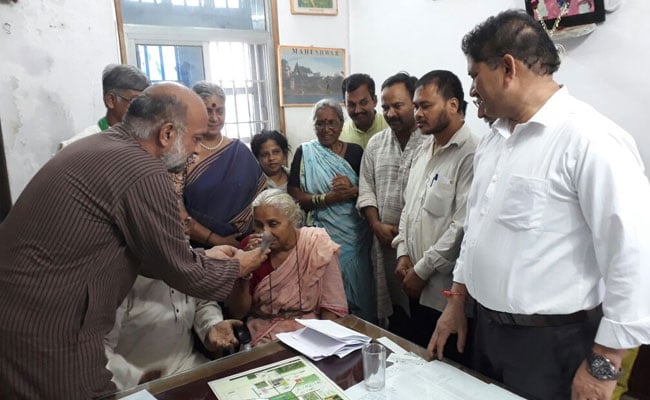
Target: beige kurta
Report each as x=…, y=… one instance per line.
x=384, y=173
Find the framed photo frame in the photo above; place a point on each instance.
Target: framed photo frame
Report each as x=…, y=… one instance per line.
x=308, y=74
x=579, y=12
x=314, y=7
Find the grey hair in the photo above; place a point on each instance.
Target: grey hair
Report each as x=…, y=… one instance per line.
x=327, y=103
x=118, y=77
x=281, y=201
x=148, y=112
x=206, y=89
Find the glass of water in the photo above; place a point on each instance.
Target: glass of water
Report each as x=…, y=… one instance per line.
x=374, y=366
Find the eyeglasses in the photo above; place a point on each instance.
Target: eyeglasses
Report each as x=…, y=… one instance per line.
x=125, y=98
x=333, y=124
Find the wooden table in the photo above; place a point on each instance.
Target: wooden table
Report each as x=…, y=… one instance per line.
x=193, y=384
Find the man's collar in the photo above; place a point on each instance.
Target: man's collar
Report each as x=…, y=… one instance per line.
x=103, y=123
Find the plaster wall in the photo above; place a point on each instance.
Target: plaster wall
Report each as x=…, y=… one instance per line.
x=52, y=53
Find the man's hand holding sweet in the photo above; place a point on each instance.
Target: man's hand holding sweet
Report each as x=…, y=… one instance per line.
x=223, y=251
x=251, y=260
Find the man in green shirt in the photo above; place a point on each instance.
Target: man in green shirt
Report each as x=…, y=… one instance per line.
x=361, y=100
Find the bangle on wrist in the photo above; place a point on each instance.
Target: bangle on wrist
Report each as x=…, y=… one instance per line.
x=207, y=240
x=318, y=200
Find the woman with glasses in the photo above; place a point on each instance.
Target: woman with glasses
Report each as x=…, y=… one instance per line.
x=222, y=182
x=324, y=180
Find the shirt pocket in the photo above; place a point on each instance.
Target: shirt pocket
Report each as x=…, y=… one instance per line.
x=439, y=199
x=524, y=202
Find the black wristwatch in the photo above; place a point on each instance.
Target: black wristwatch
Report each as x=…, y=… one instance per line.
x=601, y=368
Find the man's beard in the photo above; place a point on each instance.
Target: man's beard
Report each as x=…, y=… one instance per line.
x=441, y=124
x=176, y=158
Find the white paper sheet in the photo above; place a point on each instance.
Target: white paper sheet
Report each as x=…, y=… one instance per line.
x=323, y=338
x=141, y=395
x=430, y=380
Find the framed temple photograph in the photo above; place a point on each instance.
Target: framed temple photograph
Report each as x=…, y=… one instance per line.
x=308, y=74
x=314, y=7
x=566, y=13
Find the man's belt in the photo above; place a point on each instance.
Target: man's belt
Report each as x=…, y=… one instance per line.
x=541, y=320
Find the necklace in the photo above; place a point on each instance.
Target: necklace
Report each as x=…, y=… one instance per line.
x=212, y=148
x=564, y=8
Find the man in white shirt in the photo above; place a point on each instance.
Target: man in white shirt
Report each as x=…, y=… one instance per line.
x=558, y=222
x=152, y=336
x=431, y=224
x=120, y=84
x=384, y=171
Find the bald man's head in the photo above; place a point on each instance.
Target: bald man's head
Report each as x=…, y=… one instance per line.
x=171, y=119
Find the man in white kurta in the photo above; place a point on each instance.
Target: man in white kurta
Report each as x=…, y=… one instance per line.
x=152, y=335
x=384, y=172
x=431, y=224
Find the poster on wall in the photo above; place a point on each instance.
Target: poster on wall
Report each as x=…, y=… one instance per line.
x=315, y=7
x=308, y=74
x=566, y=12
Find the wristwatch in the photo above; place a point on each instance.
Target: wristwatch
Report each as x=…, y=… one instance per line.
x=601, y=368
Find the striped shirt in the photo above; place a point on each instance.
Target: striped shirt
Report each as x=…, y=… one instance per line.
x=98, y=213
x=382, y=182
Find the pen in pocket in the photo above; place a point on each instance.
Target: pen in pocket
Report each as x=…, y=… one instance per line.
x=435, y=178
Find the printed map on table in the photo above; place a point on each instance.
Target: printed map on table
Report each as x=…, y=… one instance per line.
x=291, y=379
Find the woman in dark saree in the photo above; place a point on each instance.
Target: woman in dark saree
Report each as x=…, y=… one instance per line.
x=221, y=184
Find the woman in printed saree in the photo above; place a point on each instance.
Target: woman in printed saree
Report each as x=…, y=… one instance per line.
x=324, y=180
x=222, y=182
x=300, y=279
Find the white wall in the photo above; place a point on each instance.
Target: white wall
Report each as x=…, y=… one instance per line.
x=309, y=30
x=52, y=53
x=607, y=69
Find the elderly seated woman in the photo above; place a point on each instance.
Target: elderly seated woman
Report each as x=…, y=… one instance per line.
x=300, y=279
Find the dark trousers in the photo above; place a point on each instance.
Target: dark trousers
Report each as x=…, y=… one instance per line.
x=535, y=362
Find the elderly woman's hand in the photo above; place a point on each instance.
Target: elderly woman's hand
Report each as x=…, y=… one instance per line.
x=254, y=241
x=343, y=189
x=341, y=183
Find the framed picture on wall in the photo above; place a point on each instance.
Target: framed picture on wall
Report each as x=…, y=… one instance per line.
x=571, y=12
x=315, y=7
x=308, y=74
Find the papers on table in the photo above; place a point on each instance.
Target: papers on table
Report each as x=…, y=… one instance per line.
x=323, y=338
x=418, y=379
x=141, y=395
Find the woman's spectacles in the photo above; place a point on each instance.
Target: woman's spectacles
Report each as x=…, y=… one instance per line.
x=333, y=124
